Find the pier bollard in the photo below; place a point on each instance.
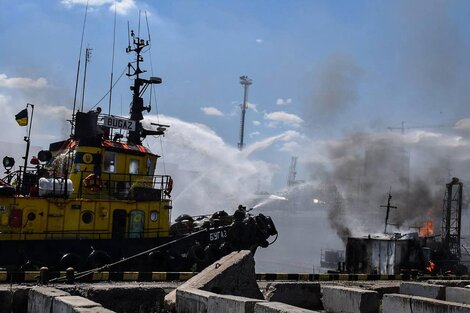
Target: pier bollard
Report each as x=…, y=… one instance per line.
x=44, y=275
x=70, y=275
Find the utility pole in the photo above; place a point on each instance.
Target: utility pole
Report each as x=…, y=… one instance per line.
x=245, y=82
x=388, y=206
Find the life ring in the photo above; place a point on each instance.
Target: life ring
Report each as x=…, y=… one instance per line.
x=93, y=183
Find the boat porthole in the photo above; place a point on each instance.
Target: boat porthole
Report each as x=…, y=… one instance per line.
x=31, y=216
x=87, y=217
x=153, y=216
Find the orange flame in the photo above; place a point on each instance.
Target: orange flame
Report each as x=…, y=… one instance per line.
x=426, y=230
x=431, y=266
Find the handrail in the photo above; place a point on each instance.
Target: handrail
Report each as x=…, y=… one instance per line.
x=112, y=186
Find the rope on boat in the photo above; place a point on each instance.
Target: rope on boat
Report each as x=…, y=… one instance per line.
x=107, y=266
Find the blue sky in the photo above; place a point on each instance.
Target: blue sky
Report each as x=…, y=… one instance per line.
x=321, y=70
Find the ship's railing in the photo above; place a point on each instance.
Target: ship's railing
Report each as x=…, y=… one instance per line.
x=124, y=186
x=21, y=182
x=89, y=185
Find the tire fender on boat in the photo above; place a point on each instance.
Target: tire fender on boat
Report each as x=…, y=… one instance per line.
x=98, y=258
x=197, y=253
x=70, y=260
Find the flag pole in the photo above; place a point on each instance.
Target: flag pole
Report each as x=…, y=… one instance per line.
x=28, y=140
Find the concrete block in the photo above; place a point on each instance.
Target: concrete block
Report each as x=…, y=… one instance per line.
x=231, y=304
x=393, y=303
x=97, y=310
x=192, y=300
x=13, y=299
x=234, y=274
x=423, y=290
x=305, y=295
x=382, y=290
x=278, y=307
x=70, y=304
x=457, y=294
x=449, y=282
x=350, y=300
x=126, y=298
x=40, y=298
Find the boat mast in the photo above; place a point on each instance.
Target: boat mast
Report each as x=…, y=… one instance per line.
x=28, y=141
x=78, y=72
x=137, y=106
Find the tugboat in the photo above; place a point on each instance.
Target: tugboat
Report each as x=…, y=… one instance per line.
x=94, y=199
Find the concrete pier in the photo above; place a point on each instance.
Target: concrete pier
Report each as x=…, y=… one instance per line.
x=334, y=297
x=305, y=295
x=230, y=285
x=231, y=304
x=353, y=300
x=397, y=303
x=423, y=290
x=457, y=294
x=277, y=307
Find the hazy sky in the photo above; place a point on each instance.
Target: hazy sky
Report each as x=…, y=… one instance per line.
x=321, y=70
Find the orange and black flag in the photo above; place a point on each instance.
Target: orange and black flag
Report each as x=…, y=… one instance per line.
x=22, y=117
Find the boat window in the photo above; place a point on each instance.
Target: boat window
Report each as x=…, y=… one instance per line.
x=133, y=166
x=109, y=162
x=150, y=168
x=153, y=216
x=87, y=217
x=31, y=216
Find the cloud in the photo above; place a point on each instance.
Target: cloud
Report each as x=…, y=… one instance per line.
x=122, y=7
x=259, y=40
x=256, y=123
x=284, y=117
x=22, y=82
x=463, y=124
x=281, y=101
x=254, y=134
x=212, y=111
